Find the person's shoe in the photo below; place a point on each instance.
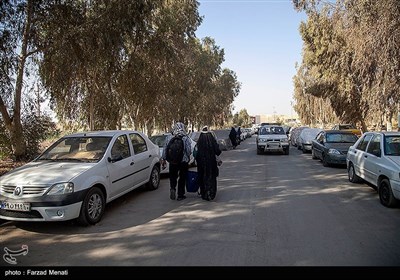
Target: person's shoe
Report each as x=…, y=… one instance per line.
x=181, y=198
x=172, y=194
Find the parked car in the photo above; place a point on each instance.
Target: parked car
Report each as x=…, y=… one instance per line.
x=348, y=127
x=222, y=137
x=77, y=175
x=294, y=134
x=305, y=138
x=223, y=140
x=161, y=141
x=375, y=158
x=272, y=138
x=331, y=146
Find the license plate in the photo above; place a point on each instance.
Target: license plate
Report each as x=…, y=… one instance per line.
x=16, y=206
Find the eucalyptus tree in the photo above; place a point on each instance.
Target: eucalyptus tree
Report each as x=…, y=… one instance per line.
x=358, y=72
x=327, y=71
x=86, y=48
x=374, y=35
x=154, y=83
x=18, y=46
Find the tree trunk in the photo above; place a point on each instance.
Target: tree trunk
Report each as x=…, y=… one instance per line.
x=13, y=123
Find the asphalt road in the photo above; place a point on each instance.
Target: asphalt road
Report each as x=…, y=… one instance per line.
x=270, y=210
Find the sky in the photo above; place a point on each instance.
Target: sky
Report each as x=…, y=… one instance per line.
x=262, y=44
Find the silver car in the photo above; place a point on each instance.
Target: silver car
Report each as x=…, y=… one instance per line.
x=375, y=158
x=77, y=175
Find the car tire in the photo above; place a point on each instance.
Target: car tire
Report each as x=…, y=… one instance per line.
x=313, y=154
x=386, y=194
x=325, y=163
x=287, y=151
x=92, y=208
x=353, y=177
x=259, y=151
x=303, y=149
x=154, y=180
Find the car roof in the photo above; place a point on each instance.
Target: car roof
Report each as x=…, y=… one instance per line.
x=162, y=134
x=109, y=133
x=386, y=133
x=339, y=131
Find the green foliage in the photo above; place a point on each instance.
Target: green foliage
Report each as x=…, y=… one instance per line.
x=350, y=60
x=111, y=64
x=35, y=131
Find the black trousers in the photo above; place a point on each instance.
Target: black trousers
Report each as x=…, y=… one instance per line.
x=178, y=171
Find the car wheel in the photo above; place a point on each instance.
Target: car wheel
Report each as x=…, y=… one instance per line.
x=287, y=150
x=154, y=180
x=385, y=194
x=303, y=149
x=324, y=161
x=313, y=154
x=92, y=208
x=352, y=174
x=259, y=151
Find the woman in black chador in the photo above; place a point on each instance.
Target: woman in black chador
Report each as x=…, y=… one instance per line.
x=207, y=168
x=233, y=137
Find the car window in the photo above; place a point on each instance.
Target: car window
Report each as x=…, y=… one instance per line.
x=138, y=143
x=320, y=137
x=77, y=148
x=120, y=149
x=374, y=146
x=159, y=140
x=362, y=145
x=392, y=145
x=341, y=138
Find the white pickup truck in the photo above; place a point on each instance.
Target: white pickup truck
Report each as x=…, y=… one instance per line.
x=272, y=138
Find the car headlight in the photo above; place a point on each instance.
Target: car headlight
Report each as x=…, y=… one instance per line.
x=333, y=151
x=61, y=188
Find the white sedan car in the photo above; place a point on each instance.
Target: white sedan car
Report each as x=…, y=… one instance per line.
x=375, y=158
x=77, y=175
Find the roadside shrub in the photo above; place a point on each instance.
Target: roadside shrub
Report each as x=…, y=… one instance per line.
x=35, y=130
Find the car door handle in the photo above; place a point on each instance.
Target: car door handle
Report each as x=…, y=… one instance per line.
x=132, y=163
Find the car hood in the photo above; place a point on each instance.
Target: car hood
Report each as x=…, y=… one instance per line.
x=395, y=159
x=44, y=173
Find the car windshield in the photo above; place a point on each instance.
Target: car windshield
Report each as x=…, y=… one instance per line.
x=392, y=145
x=84, y=149
x=159, y=140
x=265, y=130
x=341, y=138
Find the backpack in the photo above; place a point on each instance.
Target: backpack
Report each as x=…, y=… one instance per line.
x=175, y=148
